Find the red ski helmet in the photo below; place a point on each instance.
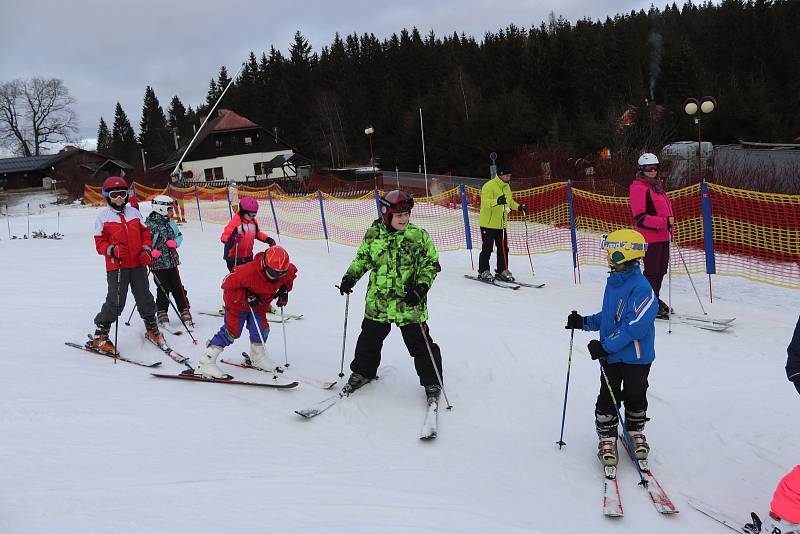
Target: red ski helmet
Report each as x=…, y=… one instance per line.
x=395, y=202
x=275, y=262
x=118, y=185
x=248, y=204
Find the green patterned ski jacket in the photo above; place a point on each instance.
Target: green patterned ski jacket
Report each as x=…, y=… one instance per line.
x=397, y=261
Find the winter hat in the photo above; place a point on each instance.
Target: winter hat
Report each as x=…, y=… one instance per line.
x=786, y=501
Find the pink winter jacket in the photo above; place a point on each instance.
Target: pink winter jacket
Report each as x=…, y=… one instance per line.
x=650, y=209
x=786, y=501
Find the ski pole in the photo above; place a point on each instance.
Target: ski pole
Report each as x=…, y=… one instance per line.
x=261, y=336
x=504, y=239
x=344, y=334
x=680, y=253
x=128, y=322
x=527, y=246
x=174, y=308
x=560, y=441
x=669, y=286
x=283, y=330
x=118, y=311
x=625, y=433
x=29, y=218
x=433, y=360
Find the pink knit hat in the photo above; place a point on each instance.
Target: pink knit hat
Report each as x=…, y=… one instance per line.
x=786, y=501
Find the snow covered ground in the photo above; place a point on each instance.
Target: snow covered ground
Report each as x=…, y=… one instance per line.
x=90, y=446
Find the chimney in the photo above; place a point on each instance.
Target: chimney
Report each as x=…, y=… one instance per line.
x=222, y=112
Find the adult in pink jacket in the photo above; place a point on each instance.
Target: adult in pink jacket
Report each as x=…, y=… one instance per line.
x=652, y=211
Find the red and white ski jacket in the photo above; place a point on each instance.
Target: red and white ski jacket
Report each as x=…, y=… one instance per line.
x=128, y=228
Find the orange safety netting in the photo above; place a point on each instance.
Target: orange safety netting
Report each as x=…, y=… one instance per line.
x=755, y=235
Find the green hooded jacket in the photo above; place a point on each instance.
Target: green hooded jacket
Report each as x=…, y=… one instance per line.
x=492, y=214
x=397, y=261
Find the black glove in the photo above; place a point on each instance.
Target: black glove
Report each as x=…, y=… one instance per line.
x=415, y=294
x=501, y=199
x=282, y=296
x=346, y=286
x=252, y=299
x=574, y=321
x=269, y=241
x=596, y=349
x=755, y=526
x=523, y=208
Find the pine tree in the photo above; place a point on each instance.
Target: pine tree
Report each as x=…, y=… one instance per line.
x=154, y=136
x=123, y=138
x=103, y=138
x=178, y=120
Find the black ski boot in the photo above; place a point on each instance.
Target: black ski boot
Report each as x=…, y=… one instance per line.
x=354, y=382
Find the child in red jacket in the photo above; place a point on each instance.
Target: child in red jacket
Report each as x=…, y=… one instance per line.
x=241, y=232
x=124, y=240
x=248, y=292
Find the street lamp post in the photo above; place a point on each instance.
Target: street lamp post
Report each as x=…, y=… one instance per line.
x=369, y=130
x=693, y=108
x=144, y=163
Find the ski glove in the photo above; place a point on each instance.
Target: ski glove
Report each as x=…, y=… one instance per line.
x=574, y=321
x=346, y=286
x=156, y=254
x=523, y=208
x=252, y=299
x=118, y=251
x=415, y=294
x=236, y=236
x=144, y=257
x=282, y=296
x=596, y=350
x=501, y=199
x=171, y=243
x=269, y=241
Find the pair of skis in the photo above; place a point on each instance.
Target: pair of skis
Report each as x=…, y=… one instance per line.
x=612, y=502
x=705, y=322
x=272, y=317
x=247, y=364
x=502, y=283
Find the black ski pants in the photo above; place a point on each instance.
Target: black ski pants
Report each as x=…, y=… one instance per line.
x=169, y=283
x=140, y=287
x=491, y=238
x=656, y=264
x=370, y=342
x=629, y=383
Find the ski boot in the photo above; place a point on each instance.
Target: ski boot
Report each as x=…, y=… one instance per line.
x=663, y=310
x=504, y=276
x=154, y=335
x=607, y=452
x=100, y=341
x=259, y=358
x=640, y=446
x=486, y=276
x=207, y=367
x=187, y=317
x=354, y=382
x=162, y=318
x=433, y=392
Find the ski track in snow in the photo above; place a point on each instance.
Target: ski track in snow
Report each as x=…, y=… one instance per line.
x=92, y=446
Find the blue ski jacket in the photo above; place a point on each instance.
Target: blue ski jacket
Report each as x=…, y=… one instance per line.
x=626, y=322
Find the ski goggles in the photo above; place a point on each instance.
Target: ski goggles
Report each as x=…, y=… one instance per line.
x=166, y=204
x=650, y=168
x=116, y=193
x=622, y=245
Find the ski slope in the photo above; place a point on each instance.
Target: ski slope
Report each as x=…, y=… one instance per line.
x=92, y=446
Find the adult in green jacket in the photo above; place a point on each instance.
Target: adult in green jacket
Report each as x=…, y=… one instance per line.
x=403, y=263
x=496, y=198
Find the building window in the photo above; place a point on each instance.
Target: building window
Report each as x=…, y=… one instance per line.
x=262, y=167
x=214, y=174
x=218, y=143
x=248, y=141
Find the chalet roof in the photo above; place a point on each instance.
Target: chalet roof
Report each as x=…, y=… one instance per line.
x=229, y=120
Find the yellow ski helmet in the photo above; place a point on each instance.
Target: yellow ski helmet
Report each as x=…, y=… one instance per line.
x=623, y=246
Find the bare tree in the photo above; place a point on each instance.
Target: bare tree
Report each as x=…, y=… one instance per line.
x=35, y=113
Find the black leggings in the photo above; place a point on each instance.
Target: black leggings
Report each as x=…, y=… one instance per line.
x=630, y=387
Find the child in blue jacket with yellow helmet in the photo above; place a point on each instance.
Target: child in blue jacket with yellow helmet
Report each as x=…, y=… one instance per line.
x=626, y=347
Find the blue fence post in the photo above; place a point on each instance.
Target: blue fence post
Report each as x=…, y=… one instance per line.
x=199, y=214
x=378, y=203
x=467, y=231
x=274, y=217
x=708, y=228
x=324, y=224
x=573, y=232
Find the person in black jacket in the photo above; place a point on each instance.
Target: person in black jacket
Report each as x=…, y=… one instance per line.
x=793, y=361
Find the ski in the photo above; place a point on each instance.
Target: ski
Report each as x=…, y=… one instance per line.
x=704, y=324
x=174, y=356
x=246, y=364
x=524, y=284
x=316, y=409
x=271, y=317
x=498, y=283
x=716, y=515
x=612, y=502
x=705, y=318
x=114, y=356
x=187, y=375
x=212, y=314
x=661, y=500
x=430, y=427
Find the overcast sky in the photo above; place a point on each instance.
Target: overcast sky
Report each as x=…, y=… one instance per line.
x=110, y=51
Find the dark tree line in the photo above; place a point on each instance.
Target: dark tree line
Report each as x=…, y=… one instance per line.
x=556, y=85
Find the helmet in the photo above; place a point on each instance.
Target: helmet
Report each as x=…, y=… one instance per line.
x=162, y=203
x=118, y=185
x=647, y=159
x=275, y=262
x=248, y=204
x=395, y=202
x=623, y=246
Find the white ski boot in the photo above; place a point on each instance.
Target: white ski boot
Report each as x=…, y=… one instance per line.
x=208, y=363
x=607, y=452
x=259, y=358
x=640, y=446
